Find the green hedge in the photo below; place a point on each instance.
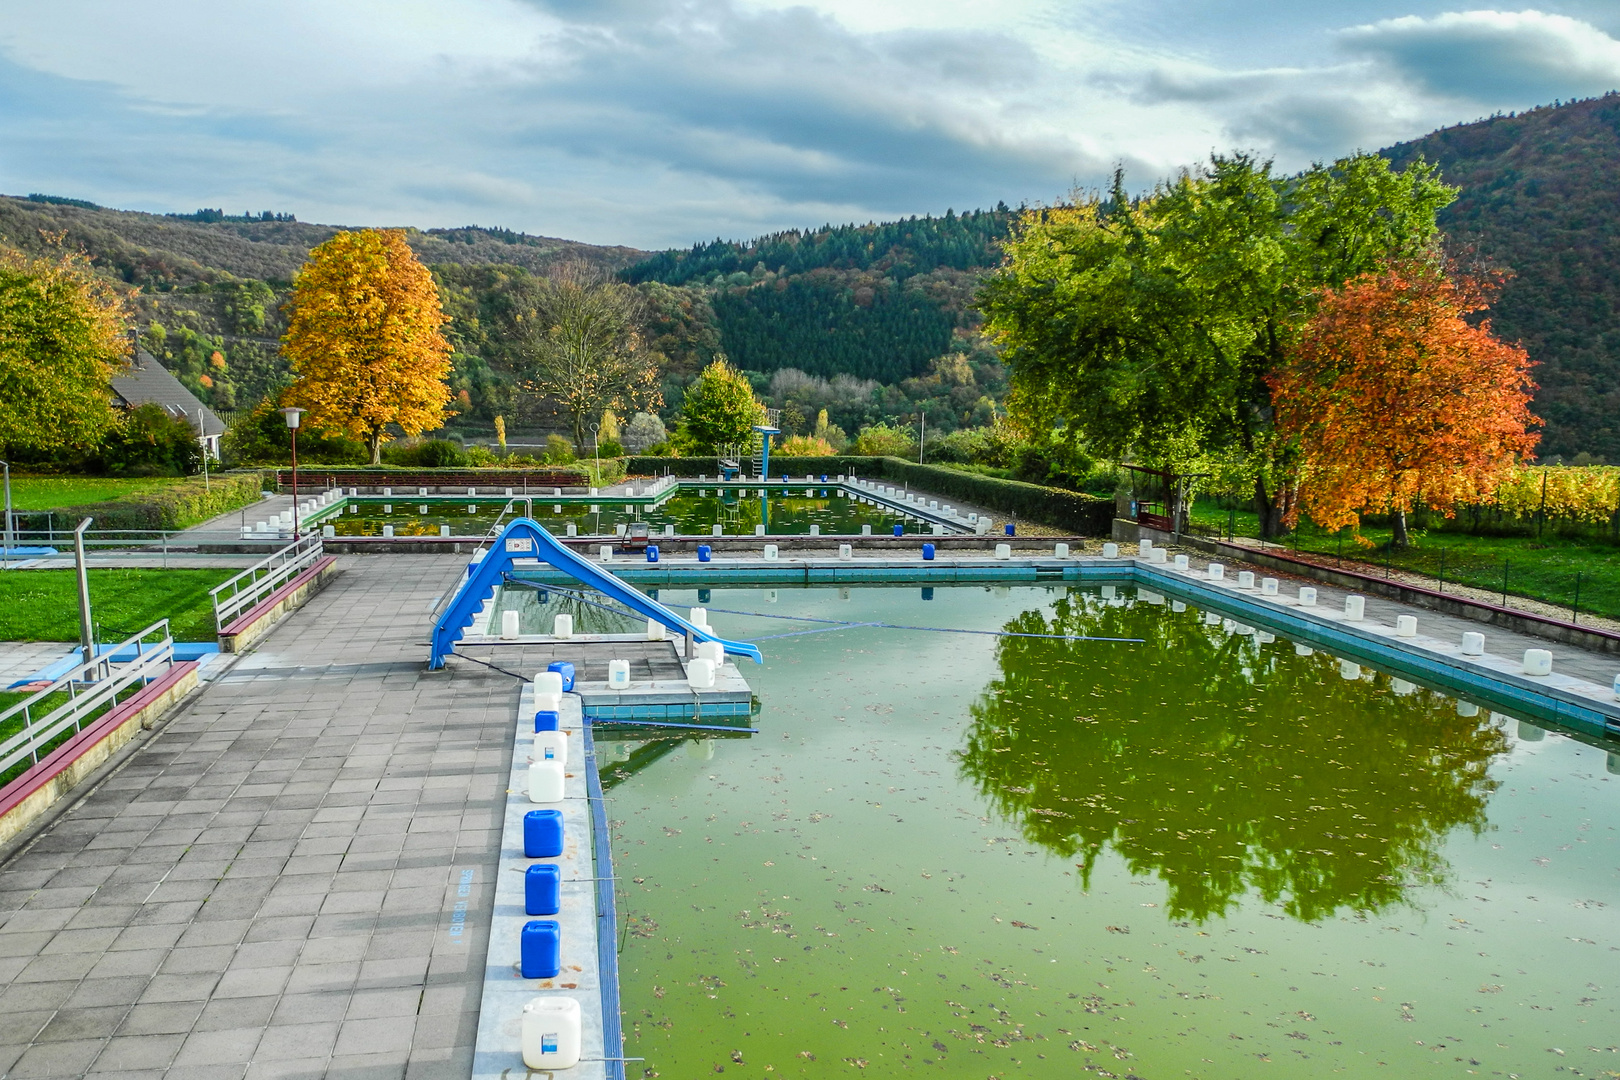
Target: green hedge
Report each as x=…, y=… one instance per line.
x=1085, y=515
x=173, y=506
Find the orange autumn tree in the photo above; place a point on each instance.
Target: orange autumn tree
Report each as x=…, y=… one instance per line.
x=364, y=340
x=1395, y=400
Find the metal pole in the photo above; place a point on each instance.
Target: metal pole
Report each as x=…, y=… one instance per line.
x=1504, y=582
x=11, y=536
x=1541, y=514
x=1442, y=569
x=86, y=638
x=297, y=517
x=1575, y=613
x=922, y=435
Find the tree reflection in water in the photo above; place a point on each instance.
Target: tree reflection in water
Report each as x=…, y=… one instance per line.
x=1224, y=764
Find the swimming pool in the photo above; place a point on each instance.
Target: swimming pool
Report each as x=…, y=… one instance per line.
x=1205, y=855
x=690, y=511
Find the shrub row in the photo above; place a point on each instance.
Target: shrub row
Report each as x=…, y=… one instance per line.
x=1082, y=514
x=166, y=508
x=1085, y=515
x=340, y=476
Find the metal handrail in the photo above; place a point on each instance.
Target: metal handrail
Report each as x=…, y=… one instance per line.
x=263, y=578
x=88, y=686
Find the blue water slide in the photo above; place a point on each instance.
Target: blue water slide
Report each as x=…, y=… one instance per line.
x=525, y=538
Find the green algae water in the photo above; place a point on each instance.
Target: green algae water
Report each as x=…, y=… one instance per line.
x=736, y=510
x=1211, y=854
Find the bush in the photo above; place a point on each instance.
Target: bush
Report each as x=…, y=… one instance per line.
x=147, y=441
x=172, y=506
x=611, y=472
x=260, y=437
x=881, y=440
x=1086, y=515
x=428, y=454
x=965, y=446
x=608, y=448
x=801, y=446
x=643, y=432
x=559, y=451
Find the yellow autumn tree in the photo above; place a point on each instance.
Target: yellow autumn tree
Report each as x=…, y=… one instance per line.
x=364, y=340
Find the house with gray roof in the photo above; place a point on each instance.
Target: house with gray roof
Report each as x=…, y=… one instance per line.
x=147, y=382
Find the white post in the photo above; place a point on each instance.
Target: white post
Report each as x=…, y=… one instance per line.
x=86, y=639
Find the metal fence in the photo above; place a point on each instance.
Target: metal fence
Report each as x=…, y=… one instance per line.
x=261, y=579
x=89, y=687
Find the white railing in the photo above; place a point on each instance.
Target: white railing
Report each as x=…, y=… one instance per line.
x=261, y=579
x=145, y=656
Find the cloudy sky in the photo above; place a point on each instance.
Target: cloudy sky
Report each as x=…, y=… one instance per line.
x=660, y=122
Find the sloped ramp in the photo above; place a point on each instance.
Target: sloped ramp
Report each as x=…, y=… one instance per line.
x=525, y=538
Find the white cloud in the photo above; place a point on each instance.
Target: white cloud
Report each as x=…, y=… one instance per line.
x=1501, y=59
x=655, y=122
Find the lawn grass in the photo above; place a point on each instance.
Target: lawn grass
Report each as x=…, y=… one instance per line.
x=1546, y=569
x=50, y=492
x=43, y=605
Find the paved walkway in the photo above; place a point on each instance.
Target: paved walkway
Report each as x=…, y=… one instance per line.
x=265, y=888
x=1601, y=668
x=20, y=659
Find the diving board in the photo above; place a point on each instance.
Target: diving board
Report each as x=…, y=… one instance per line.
x=525, y=538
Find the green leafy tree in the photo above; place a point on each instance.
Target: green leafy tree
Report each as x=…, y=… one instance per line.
x=881, y=440
x=61, y=341
x=259, y=436
x=720, y=410
x=147, y=441
x=1148, y=326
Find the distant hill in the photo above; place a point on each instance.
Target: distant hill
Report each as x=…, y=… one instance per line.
x=1541, y=196
x=875, y=301
x=161, y=252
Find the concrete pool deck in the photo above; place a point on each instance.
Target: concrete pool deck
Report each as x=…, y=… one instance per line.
x=266, y=885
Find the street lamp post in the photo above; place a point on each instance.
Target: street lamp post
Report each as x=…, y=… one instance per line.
x=292, y=416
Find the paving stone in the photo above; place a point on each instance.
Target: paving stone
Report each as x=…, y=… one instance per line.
x=161, y=1018
x=221, y=1047
x=123, y=990
x=89, y=1023
x=43, y=1059
x=294, y=1041
x=126, y=1054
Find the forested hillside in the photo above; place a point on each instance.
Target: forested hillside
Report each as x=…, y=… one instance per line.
x=875, y=301
x=1539, y=198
